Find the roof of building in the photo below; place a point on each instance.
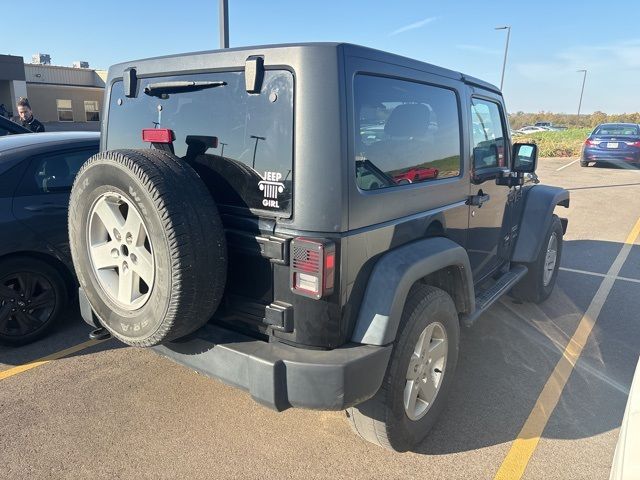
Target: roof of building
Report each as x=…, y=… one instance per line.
x=59, y=75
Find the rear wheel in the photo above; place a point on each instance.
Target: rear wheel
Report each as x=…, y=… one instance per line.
x=583, y=163
x=419, y=374
x=32, y=296
x=148, y=245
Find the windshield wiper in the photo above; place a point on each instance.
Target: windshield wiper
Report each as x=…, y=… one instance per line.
x=163, y=88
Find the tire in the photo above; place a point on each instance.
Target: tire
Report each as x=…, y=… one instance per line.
x=383, y=419
x=168, y=264
x=584, y=164
x=24, y=283
x=533, y=288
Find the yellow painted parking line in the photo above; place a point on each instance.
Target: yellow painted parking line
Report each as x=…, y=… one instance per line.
x=4, y=374
x=524, y=445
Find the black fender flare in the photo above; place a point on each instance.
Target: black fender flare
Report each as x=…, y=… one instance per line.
x=539, y=203
x=393, y=276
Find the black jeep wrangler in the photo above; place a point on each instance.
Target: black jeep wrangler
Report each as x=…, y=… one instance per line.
x=311, y=223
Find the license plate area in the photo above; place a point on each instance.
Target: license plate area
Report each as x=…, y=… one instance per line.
x=612, y=144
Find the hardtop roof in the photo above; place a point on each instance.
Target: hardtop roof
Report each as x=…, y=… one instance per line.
x=349, y=50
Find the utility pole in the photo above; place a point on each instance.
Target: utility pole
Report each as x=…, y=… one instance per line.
x=222, y=152
x=506, y=50
x=584, y=79
x=224, y=23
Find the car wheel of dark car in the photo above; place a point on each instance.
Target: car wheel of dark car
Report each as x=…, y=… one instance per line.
x=148, y=245
x=32, y=295
x=539, y=281
x=584, y=164
x=419, y=374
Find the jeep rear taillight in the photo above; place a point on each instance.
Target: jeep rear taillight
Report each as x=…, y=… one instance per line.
x=158, y=135
x=313, y=266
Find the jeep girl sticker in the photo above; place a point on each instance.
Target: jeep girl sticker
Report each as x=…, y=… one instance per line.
x=271, y=187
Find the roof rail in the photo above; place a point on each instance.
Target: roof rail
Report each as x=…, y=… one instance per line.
x=476, y=82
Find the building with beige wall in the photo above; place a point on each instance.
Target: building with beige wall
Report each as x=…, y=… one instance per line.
x=63, y=98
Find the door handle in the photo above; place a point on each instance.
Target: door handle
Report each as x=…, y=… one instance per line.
x=45, y=207
x=478, y=200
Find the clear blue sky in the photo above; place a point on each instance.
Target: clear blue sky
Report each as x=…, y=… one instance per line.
x=550, y=39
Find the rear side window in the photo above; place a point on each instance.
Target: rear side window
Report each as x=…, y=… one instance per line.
x=489, y=140
x=251, y=166
x=53, y=172
x=612, y=129
x=406, y=132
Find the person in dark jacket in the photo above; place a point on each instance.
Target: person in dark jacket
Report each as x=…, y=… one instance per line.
x=26, y=118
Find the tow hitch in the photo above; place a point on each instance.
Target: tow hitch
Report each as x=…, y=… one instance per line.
x=100, y=334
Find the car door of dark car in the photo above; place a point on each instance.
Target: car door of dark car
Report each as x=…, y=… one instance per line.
x=42, y=197
x=489, y=211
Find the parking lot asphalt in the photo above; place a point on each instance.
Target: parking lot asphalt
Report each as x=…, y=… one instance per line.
x=110, y=411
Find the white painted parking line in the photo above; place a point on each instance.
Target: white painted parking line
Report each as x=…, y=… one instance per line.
x=596, y=274
x=567, y=165
x=536, y=333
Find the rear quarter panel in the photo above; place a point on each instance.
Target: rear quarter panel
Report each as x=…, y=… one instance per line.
x=382, y=220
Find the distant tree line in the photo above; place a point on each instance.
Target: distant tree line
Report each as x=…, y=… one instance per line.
x=521, y=119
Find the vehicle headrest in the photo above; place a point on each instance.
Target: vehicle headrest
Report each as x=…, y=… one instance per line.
x=58, y=169
x=408, y=120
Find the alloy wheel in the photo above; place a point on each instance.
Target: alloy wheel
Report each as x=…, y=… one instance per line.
x=426, y=371
x=27, y=301
x=550, y=259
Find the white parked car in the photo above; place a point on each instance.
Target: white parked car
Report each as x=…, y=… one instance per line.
x=531, y=129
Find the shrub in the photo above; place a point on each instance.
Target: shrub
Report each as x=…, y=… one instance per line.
x=562, y=143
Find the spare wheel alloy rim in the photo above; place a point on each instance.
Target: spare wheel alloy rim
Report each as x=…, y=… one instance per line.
x=120, y=251
x=426, y=371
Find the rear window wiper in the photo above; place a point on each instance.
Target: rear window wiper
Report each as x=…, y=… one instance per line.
x=163, y=88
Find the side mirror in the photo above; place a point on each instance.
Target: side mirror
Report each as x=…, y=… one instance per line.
x=485, y=156
x=525, y=157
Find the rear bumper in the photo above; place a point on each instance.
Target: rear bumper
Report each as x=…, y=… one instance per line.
x=602, y=155
x=277, y=375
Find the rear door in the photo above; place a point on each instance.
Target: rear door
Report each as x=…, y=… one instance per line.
x=488, y=218
x=241, y=145
x=42, y=197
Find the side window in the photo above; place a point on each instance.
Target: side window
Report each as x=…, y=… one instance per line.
x=53, y=173
x=406, y=132
x=489, y=141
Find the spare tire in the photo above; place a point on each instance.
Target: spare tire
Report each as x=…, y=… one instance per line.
x=148, y=245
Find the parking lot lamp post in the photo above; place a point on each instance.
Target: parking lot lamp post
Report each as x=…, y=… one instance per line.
x=584, y=79
x=506, y=50
x=224, y=23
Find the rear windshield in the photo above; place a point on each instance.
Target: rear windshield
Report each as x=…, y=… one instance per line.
x=250, y=169
x=616, y=130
